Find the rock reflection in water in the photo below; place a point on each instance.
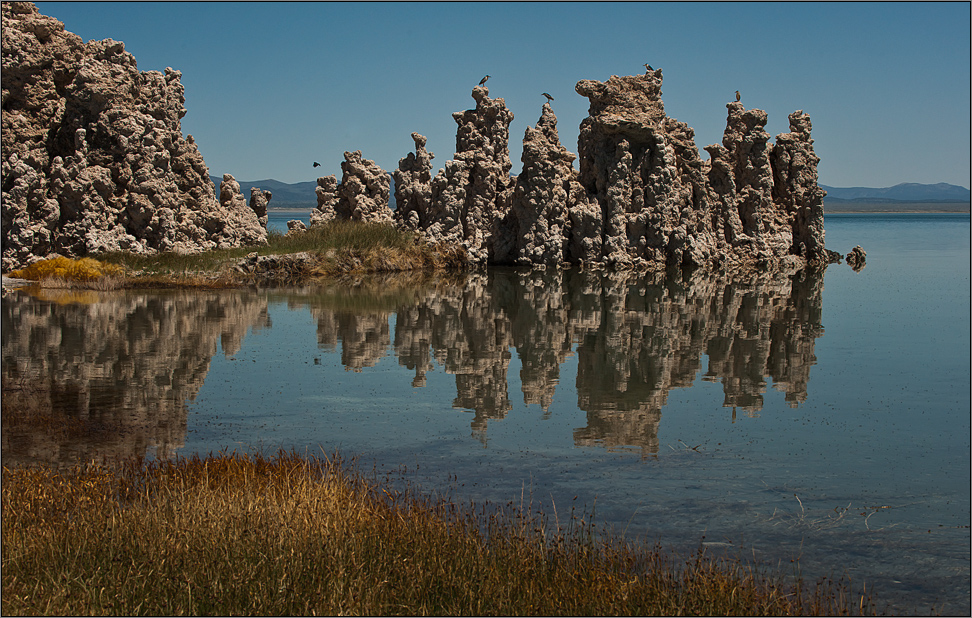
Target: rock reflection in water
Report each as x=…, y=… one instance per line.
x=114, y=372
x=636, y=338
x=88, y=376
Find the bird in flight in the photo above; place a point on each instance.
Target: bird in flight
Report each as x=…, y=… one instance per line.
x=737, y=95
x=549, y=98
x=316, y=164
x=483, y=80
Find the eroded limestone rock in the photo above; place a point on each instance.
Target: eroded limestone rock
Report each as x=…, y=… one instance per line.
x=471, y=195
x=413, y=186
x=857, y=258
x=94, y=158
x=643, y=197
x=327, y=199
x=258, y=203
x=362, y=194
x=540, y=212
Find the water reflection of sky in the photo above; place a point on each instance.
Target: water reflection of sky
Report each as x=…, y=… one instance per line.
x=829, y=422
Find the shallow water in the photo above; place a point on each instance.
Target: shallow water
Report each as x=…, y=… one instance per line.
x=823, y=420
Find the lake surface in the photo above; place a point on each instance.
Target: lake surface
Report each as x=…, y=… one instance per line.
x=819, y=419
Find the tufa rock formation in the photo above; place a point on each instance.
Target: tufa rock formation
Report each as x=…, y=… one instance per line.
x=413, y=187
x=642, y=198
x=362, y=194
x=540, y=212
x=93, y=154
x=471, y=195
x=857, y=258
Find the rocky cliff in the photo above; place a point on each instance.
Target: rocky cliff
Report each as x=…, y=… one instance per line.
x=94, y=158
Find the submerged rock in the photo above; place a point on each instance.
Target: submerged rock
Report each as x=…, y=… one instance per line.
x=856, y=259
x=94, y=158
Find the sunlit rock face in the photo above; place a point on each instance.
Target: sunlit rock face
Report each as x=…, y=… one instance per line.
x=413, y=187
x=362, y=194
x=471, y=195
x=643, y=197
x=94, y=158
x=539, y=221
x=89, y=376
x=644, y=171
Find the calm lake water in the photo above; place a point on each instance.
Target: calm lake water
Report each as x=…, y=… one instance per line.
x=820, y=420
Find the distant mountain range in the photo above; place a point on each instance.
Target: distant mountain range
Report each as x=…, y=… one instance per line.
x=301, y=194
x=298, y=194
x=904, y=192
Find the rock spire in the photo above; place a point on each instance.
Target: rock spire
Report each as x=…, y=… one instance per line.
x=642, y=198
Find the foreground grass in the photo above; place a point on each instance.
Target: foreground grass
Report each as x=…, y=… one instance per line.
x=295, y=535
x=337, y=248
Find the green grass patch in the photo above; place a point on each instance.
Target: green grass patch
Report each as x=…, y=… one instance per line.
x=338, y=247
x=298, y=535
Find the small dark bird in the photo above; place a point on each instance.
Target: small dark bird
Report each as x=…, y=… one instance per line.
x=316, y=164
x=648, y=67
x=483, y=80
x=549, y=98
x=737, y=95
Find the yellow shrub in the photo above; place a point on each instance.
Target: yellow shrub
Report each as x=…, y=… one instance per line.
x=84, y=269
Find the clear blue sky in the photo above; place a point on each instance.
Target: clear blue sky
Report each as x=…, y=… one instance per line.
x=273, y=87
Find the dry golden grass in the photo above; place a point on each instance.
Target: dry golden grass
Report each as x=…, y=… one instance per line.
x=62, y=272
x=298, y=535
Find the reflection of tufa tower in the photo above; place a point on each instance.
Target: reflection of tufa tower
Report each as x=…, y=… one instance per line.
x=636, y=337
x=109, y=374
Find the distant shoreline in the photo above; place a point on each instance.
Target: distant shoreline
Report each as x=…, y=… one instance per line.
x=888, y=207
x=849, y=208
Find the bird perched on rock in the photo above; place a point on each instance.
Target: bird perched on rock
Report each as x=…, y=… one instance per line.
x=549, y=98
x=737, y=95
x=316, y=164
x=648, y=67
x=483, y=80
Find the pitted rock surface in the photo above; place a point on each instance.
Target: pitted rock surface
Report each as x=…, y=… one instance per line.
x=362, y=194
x=413, y=186
x=94, y=158
x=643, y=196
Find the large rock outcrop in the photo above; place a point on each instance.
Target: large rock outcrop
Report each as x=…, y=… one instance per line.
x=413, y=186
x=643, y=197
x=362, y=194
x=472, y=194
x=539, y=216
x=93, y=153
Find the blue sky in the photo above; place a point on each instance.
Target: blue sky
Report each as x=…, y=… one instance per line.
x=273, y=87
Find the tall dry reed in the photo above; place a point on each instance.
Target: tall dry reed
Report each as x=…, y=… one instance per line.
x=297, y=535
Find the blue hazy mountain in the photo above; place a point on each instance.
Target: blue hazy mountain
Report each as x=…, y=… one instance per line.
x=301, y=194
x=284, y=194
x=294, y=195
x=904, y=192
